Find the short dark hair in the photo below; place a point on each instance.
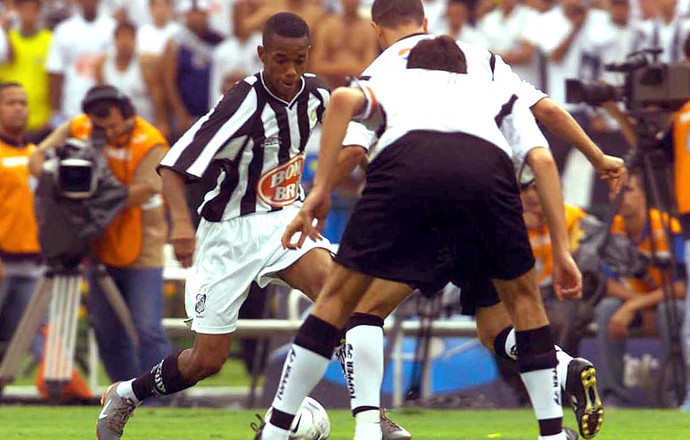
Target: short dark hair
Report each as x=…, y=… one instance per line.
x=125, y=26
x=440, y=53
x=8, y=85
x=284, y=24
x=394, y=13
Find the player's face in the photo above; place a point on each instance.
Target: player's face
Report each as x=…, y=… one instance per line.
x=117, y=129
x=284, y=60
x=14, y=108
x=530, y=200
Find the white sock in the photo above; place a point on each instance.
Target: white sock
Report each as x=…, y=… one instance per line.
x=560, y=436
x=544, y=392
x=124, y=389
x=364, y=367
x=562, y=367
x=302, y=371
x=511, y=345
x=271, y=432
x=370, y=431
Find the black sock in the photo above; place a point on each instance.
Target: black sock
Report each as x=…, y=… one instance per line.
x=163, y=379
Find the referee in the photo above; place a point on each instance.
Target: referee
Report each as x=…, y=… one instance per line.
x=439, y=172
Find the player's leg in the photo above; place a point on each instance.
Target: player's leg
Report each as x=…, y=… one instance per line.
x=362, y=359
x=576, y=376
x=313, y=347
x=308, y=273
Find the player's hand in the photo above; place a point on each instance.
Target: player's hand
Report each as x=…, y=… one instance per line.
x=610, y=167
x=567, y=278
x=315, y=207
x=183, y=242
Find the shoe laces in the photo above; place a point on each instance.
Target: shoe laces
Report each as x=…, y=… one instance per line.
x=387, y=423
x=121, y=413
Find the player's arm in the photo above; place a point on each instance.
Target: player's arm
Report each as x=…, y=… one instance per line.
x=567, y=279
x=559, y=121
x=181, y=227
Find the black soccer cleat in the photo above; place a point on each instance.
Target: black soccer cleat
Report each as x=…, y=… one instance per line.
x=570, y=434
x=258, y=429
x=581, y=391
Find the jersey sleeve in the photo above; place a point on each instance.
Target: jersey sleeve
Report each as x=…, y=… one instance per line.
x=522, y=132
x=194, y=151
x=504, y=75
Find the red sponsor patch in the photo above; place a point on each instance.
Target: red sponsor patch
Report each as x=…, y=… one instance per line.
x=279, y=186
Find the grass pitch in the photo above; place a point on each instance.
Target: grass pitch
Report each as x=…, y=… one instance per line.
x=62, y=423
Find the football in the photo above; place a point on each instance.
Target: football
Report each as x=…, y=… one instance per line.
x=311, y=422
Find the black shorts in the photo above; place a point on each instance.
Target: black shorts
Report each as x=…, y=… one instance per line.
x=435, y=201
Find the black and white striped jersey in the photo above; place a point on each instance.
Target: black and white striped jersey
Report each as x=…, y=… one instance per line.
x=257, y=141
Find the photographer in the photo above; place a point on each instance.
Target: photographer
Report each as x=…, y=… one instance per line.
x=132, y=246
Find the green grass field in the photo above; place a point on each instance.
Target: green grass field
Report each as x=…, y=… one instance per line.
x=62, y=423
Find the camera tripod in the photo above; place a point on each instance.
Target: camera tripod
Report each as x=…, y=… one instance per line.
x=59, y=292
x=649, y=161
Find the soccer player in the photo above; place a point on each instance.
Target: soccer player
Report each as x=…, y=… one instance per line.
x=399, y=25
x=439, y=179
x=255, y=136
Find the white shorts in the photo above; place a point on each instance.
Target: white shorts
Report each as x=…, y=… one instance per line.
x=229, y=256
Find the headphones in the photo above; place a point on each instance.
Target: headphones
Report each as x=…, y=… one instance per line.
x=108, y=93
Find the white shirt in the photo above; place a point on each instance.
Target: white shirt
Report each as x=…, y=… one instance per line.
x=468, y=34
x=449, y=103
x=522, y=137
x=669, y=37
x=505, y=34
x=131, y=83
x=151, y=40
x=233, y=55
x=551, y=29
x=75, y=48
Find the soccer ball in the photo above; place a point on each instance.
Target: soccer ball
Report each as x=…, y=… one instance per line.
x=311, y=422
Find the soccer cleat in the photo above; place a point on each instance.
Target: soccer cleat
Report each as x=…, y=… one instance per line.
x=570, y=434
x=115, y=412
x=391, y=430
x=258, y=429
x=581, y=390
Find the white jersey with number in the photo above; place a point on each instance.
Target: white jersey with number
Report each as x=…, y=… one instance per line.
x=519, y=127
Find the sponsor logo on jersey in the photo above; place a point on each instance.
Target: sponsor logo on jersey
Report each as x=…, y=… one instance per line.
x=279, y=187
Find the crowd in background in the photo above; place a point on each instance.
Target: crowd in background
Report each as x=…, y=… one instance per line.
x=174, y=58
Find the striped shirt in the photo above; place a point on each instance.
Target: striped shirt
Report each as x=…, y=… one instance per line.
x=518, y=127
x=257, y=141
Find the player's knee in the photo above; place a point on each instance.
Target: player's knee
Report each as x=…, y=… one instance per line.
x=317, y=281
x=208, y=365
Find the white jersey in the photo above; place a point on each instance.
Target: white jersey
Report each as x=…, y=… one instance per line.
x=461, y=104
x=480, y=63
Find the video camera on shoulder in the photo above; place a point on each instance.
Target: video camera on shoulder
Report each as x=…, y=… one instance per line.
x=76, y=174
x=648, y=83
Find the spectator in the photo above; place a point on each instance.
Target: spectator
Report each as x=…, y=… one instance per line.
x=647, y=9
x=136, y=76
x=132, y=246
x=233, y=60
x=506, y=32
x=28, y=48
x=666, y=31
x=305, y=9
x=458, y=24
x=571, y=37
x=435, y=13
x=343, y=45
x=152, y=37
x=561, y=313
x=20, y=267
x=77, y=44
x=186, y=65
x=632, y=301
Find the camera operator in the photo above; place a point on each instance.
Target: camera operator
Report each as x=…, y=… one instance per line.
x=20, y=267
x=132, y=246
x=637, y=301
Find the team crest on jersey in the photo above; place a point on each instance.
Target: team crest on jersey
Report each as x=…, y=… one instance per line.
x=313, y=118
x=279, y=187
